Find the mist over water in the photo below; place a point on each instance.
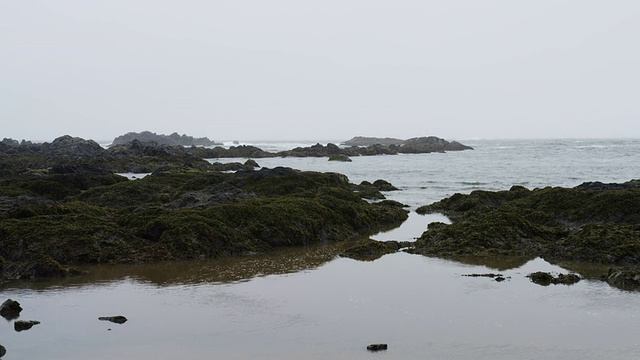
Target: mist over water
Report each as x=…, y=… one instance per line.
x=309, y=303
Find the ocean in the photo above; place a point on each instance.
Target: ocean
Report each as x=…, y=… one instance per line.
x=309, y=304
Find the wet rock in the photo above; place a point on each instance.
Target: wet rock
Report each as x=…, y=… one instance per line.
x=339, y=157
x=377, y=347
x=22, y=325
x=369, y=250
x=623, y=278
x=3, y=351
x=545, y=278
x=118, y=319
x=490, y=275
x=10, y=309
x=251, y=163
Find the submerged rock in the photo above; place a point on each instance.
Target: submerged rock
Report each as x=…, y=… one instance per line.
x=369, y=250
x=545, y=278
x=22, y=325
x=10, y=309
x=118, y=319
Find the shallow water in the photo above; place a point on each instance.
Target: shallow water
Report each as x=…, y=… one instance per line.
x=309, y=303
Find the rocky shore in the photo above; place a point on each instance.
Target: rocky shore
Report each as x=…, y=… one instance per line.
x=62, y=205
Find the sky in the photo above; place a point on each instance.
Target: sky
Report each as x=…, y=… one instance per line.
x=296, y=69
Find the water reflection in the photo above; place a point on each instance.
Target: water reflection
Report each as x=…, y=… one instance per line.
x=214, y=271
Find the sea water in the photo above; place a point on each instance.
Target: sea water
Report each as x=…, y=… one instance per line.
x=311, y=304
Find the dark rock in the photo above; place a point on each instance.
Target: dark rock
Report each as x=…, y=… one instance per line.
x=624, y=278
x=500, y=279
x=367, y=141
x=251, y=163
x=484, y=275
x=545, y=279
x=173, y=139
x=339, y=157
x=74, y=146
x=3, y=351
x=377, y=347
x=10, y=309
x=430, y=144
x=21, y=325
x=119, y=319
x=384, y=185
x=369, y=250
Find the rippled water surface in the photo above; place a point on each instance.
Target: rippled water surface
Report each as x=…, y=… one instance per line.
x=309, y=303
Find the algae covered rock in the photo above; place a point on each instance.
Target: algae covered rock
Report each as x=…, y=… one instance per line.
x=368, y=250
x=545, y=278
x=582, y=224
x=179, y=213
x=627, y=278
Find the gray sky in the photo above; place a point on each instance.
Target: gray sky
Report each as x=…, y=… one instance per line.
x=295, y=69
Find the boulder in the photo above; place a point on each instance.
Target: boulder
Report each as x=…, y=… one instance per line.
x=339, y=157
x=10, y=309
x=3, y=351
x=22, y=325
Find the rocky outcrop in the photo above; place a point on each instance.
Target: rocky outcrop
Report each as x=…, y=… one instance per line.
x=368, y=141
x=173, y=139
x=582, y=224
x=430, y=144
x=55, y=222
x=418, y=145
x=369, y=250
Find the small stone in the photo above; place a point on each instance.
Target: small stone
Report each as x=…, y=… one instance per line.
x=21, y=325
x=119, y=319
x=377, y=347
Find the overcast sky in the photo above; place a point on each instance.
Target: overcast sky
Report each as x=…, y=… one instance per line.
x=330, y=69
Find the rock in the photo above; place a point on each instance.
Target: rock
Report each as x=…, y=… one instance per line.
x=369, y=250
x=118, y=319
x=74, y=146
x=384, y=185
x=367, y=141
x=173, y=139
x=251, y=163
x=339, y=157
x=10, y=309
x=22, y=325
x=623, y=278
x=545, y=278
x=430, y=144
x=3, y=351
x=484, y=275
x=377, y=347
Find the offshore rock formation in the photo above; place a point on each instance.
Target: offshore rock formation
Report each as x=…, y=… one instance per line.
x=173, y=139
x=82, y=213
x=410, y=146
